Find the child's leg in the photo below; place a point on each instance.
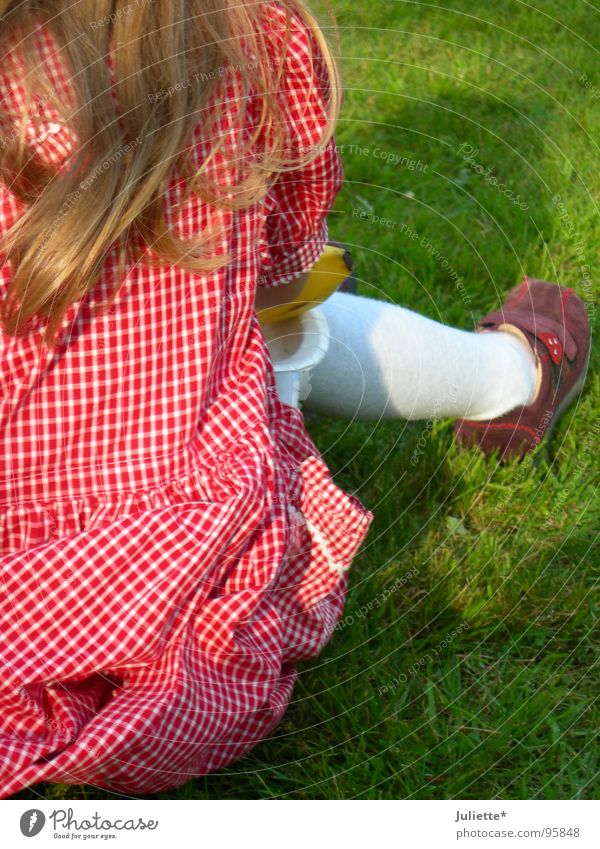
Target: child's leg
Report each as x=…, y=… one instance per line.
x=386, y=362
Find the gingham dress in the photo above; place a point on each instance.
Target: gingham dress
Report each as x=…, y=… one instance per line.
x=172, y=542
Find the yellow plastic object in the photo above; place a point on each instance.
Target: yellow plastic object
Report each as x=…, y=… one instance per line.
x=327, y=274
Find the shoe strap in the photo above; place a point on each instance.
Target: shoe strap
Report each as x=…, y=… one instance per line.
x=555, y=337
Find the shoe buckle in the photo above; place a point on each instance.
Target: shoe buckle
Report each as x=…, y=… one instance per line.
x=554, y=346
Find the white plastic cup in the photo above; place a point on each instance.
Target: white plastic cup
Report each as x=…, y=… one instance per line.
x=296, y=346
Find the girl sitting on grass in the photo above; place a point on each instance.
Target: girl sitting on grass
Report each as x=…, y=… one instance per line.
x=172, y=542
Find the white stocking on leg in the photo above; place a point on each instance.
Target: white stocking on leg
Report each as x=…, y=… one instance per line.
x=386, y=362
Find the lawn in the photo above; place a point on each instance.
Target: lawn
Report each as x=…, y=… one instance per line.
x=467, y=662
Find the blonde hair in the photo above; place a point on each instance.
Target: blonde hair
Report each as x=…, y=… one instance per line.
x=58, y=246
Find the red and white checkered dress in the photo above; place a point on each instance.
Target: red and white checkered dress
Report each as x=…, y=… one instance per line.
x=172, y=542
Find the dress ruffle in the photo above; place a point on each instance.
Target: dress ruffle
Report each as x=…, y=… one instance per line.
x=168, y=626
x=172, y=542
x=28, y=524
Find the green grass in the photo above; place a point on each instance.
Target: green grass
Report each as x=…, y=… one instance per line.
x=505, y=560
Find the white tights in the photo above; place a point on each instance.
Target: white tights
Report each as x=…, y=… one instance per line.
x=386, y=362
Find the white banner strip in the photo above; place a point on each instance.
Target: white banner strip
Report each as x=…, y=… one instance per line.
x=288, y=824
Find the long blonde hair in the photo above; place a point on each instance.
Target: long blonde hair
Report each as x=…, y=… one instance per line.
x=58, y=246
